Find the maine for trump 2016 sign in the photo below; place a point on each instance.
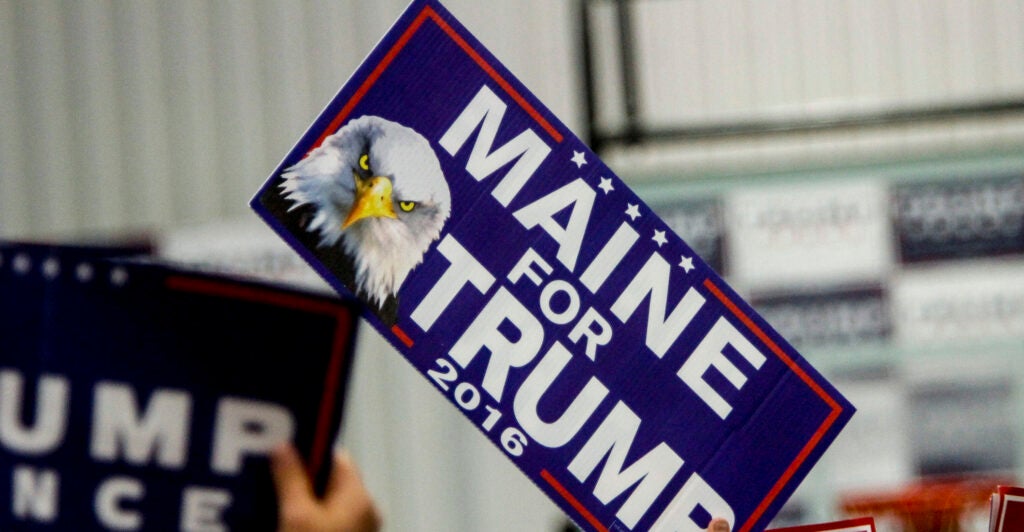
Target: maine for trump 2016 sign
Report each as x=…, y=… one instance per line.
x=542, y=297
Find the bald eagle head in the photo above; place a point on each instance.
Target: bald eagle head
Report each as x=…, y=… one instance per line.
x=378, y=194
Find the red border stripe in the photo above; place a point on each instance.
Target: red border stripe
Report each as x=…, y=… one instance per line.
x=250, y=293
x=323, y=422
x=401, y=335
x=502, y=82
x=573, y=501
x=815, y=387
x=370, y=80
x=868, y=522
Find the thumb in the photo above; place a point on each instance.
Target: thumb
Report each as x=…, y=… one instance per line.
x=290, y=478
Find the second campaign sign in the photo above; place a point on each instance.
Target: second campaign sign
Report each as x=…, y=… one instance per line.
x=542, y=297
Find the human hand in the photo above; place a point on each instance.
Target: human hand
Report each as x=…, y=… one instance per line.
x=718, y=525
x=346, y=506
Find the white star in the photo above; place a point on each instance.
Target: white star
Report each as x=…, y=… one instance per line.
x=51, y=268
x=83, y=272
x=633, y=211
x=606, y=185
x=659, y=237
x=118, y=276
x=579, y=159
x=687, y=264
x=21, y=264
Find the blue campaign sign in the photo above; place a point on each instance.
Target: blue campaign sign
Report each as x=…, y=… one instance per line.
x=140, y=396
x=514, y=270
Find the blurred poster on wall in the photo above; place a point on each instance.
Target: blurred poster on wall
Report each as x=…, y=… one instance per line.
x=963, y=417
x=961, y=302
x=876, y=450
x=808, y=234
x=982, y=216
x=828, y=317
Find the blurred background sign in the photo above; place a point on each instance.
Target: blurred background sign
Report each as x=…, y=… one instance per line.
x=137, y=394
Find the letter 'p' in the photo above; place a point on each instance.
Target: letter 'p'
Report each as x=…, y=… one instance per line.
x=247, y=427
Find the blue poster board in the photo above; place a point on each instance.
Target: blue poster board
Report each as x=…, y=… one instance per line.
x=141, y=396
x=542, y=297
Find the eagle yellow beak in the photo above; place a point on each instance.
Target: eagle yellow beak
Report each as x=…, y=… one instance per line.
x=373, y=199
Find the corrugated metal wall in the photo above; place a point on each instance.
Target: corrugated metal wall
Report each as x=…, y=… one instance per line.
x=703, y=62
x=143, y=114
x=128, y=116
x=121, y=114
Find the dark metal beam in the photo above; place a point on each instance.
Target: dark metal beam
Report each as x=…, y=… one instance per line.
x=870, y=119
x=587, y=76
x=628, y=69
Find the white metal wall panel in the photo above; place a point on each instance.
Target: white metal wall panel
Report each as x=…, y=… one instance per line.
x=144, y=115
x=46, y=141
x=871, y=57
x=807, y=55
x=774, y=55
x=147, y=182
x=13, y=209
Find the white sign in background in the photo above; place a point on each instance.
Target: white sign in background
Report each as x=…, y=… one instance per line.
x=963, y=301
x=874, y=451
x=793, y=235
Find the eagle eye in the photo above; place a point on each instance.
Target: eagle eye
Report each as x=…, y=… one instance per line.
x=364, y=162
x=407, y=206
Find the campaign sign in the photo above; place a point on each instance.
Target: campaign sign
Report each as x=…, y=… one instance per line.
x=137, y=396
x=1006, y=509
x=515, y=271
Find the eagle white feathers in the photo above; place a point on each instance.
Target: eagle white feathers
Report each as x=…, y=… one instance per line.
x=378, y=194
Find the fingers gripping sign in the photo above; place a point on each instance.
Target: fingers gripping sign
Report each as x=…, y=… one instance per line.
x=345, y=507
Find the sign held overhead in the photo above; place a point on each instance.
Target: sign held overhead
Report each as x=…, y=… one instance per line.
x=550, y=305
